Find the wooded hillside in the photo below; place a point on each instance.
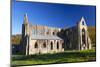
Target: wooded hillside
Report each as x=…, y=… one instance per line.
x=15, y=39
x=92, y=34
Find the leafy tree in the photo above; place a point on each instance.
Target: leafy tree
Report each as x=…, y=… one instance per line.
x=92, y=34
x=15, y=39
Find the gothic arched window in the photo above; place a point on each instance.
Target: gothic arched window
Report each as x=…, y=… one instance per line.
x=53, y=33
x=62, y=45
x=83, y=31
x=57, y=45
x=51, y=46
x=44, y=45
x=36, y=45
x=82, y=23
x=83, y=36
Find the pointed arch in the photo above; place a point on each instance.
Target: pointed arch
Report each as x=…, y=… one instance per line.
x=57, y=45
x=36, y=45
x=83, y=31
x=51, y=45
x=83, y=37
x=83, y=23
x=44, y=45
x=63, y=45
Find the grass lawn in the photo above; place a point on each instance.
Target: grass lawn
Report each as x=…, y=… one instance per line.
x=63, y=57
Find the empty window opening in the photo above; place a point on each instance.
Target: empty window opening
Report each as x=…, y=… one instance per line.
x=57, y=45
x=44, y=45
x=51, y=46
x=36, y=45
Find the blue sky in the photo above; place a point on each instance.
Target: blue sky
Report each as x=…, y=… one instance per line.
x=54, y=15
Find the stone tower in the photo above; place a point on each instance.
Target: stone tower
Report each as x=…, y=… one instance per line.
x=25, y=35
x=84, y=41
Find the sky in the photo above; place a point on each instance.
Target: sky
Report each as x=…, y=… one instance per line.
x=50, y=14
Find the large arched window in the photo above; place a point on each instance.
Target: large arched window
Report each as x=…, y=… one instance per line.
x=62, y=45
x=57, y=45
x=36, y=45
x=53, y=33
x=82, y=23
x=83, y=31
x=44, y=45
x=83, y=36
x=51, y=46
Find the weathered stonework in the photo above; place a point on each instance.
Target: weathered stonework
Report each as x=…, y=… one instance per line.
x=38, y=39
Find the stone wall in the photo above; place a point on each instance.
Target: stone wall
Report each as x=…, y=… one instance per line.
x=44, y=46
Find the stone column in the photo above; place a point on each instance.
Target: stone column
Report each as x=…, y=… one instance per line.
x=81, y=48
x=86, y=40
x=27, y=45
x=79, y=37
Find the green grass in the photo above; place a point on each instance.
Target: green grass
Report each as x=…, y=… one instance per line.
x=63, y=57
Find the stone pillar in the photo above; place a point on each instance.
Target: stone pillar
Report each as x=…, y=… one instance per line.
x=81, y=48
x=60, y=45
x=86, y=40
x=89, y=41
x=27, y=45
x=79, y=37
x=54, y=45
x=48, y=46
